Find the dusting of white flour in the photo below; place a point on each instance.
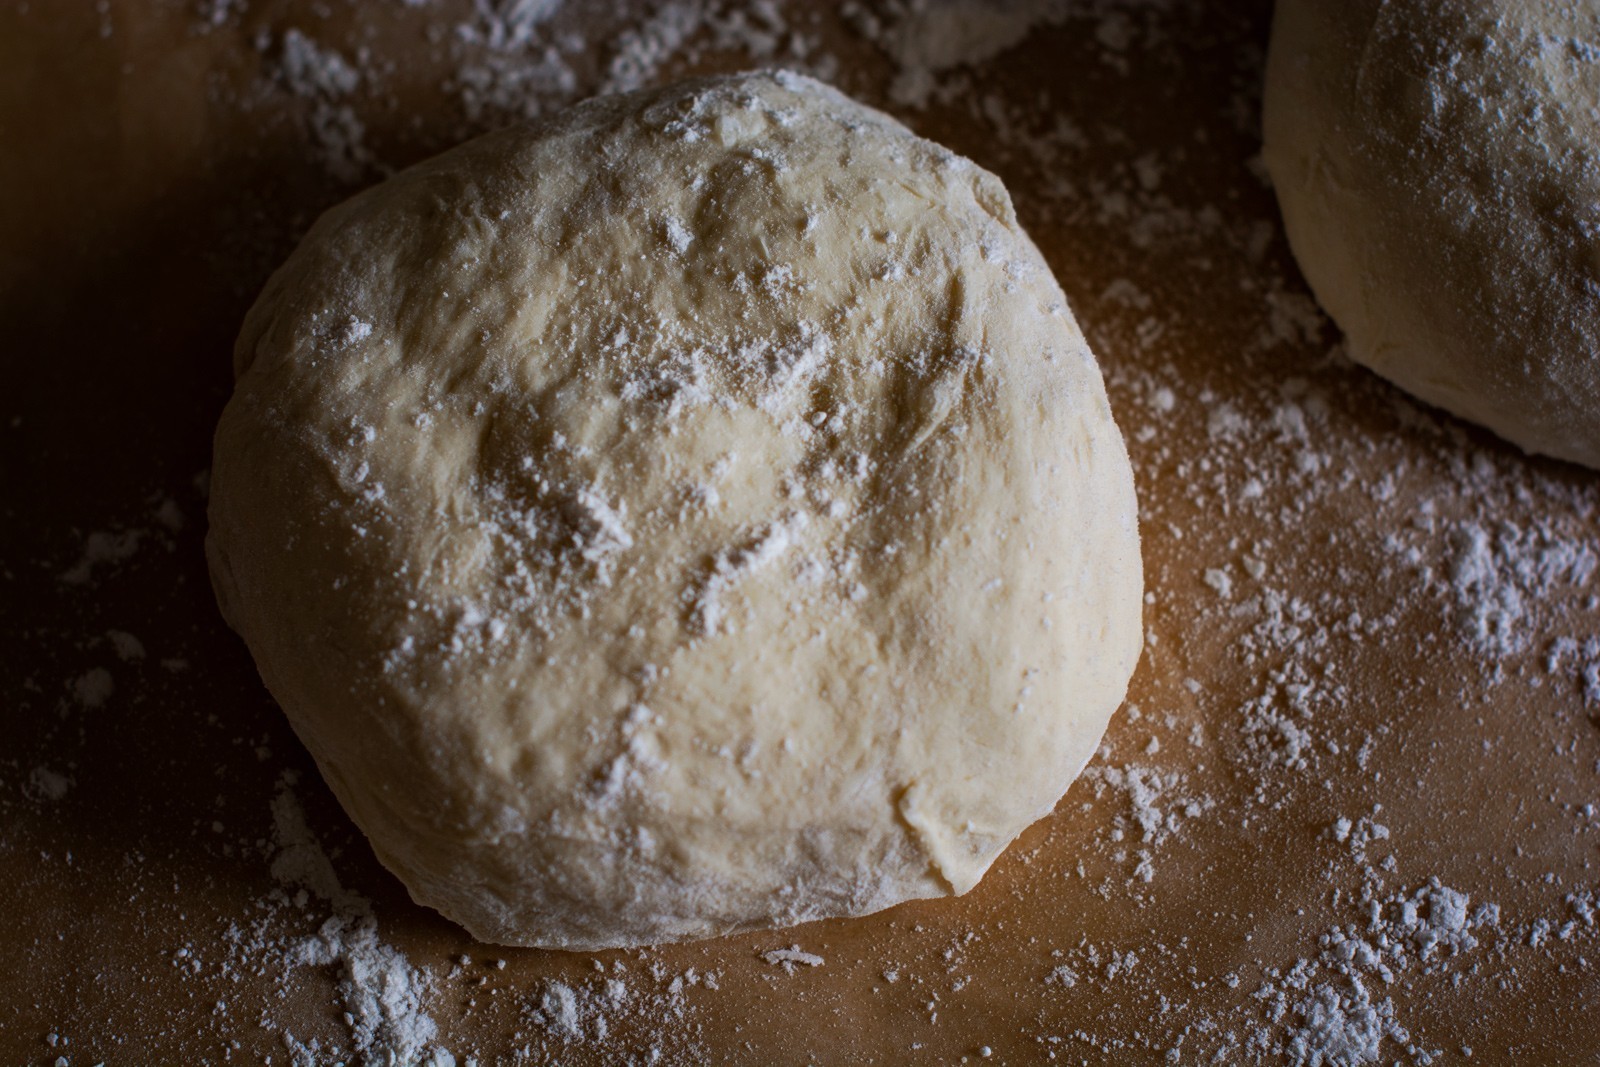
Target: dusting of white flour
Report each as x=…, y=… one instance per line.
x=1429, y=544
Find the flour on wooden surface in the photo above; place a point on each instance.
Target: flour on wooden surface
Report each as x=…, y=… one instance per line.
x=1291, y=442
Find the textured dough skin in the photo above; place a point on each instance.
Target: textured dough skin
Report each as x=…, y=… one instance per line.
x=695, y=513
x=1438, y=164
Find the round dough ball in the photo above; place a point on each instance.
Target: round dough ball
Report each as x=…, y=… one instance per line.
x=1438, y=166
x=695, y=513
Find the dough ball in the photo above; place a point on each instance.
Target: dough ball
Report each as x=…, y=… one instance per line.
x=695, y=513
x=1438, y=166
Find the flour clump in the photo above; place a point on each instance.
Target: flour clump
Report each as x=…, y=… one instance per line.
x=696, y=512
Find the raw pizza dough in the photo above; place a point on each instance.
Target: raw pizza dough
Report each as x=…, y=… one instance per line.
x=696, y=513
x=1438, y=166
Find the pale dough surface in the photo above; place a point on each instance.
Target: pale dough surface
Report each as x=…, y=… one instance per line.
x=699, y=512
x=1438, y=166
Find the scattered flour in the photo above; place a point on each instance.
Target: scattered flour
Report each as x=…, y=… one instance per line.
x=1341, y=1027
x=48, y=784
x=789, y=957
x=93, y=688
x=384, y=996
x=1276, y=458
x=326, y=79
x=1499, y=578
x=101, y=548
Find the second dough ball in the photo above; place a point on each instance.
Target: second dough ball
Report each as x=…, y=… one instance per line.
x=1438, y=167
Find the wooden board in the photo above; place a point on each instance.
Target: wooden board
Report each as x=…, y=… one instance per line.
x=1350, y=799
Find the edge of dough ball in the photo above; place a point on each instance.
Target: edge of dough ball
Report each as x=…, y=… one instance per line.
x=696, y=512
x=1440, y=202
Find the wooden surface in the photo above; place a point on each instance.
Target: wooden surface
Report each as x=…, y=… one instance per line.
x=1380, y=636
